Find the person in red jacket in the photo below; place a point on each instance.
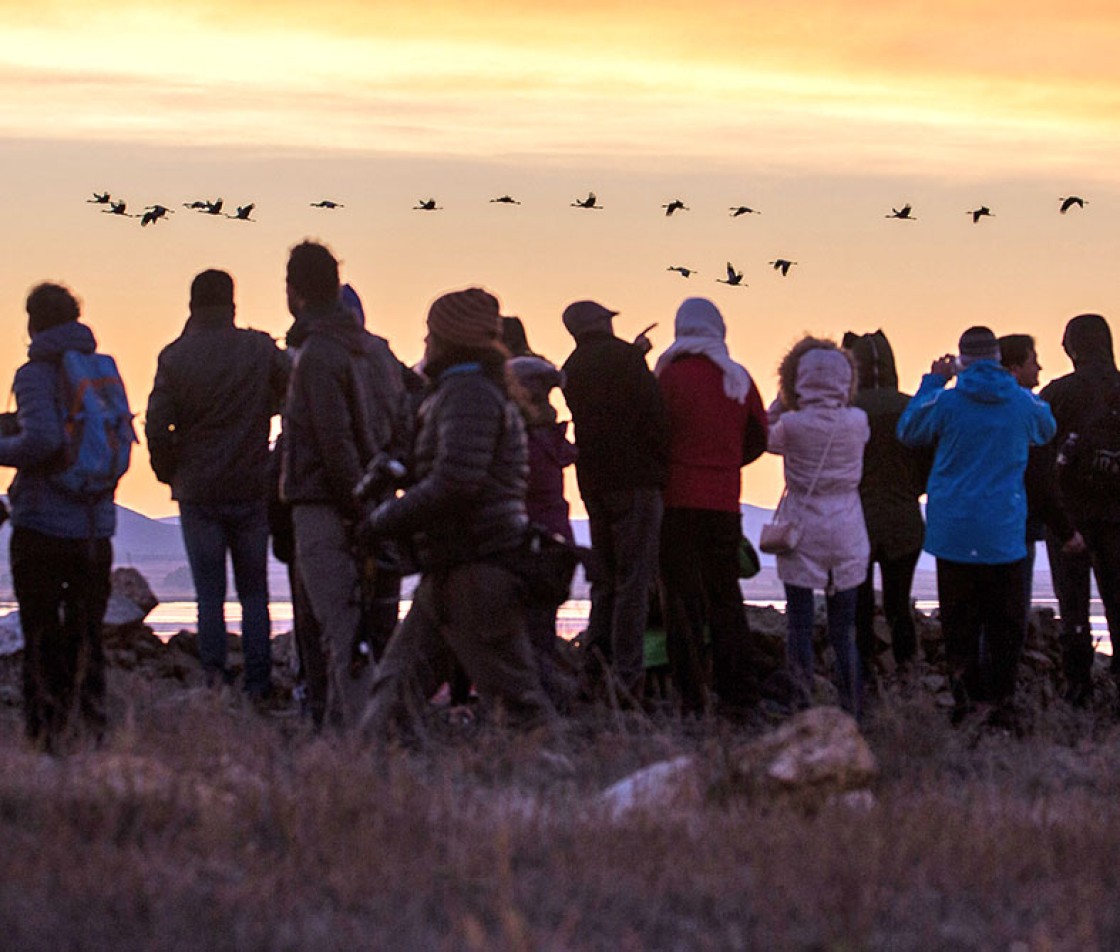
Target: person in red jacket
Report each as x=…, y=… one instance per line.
x=717, y=425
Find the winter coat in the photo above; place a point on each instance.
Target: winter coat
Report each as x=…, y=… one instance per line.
x=470, y=467
x=346, y=402
x=708, y=432
x=621, y=428
x=980, y=430
x=1075, y=400
x=833, y=535
x=894, y=475
x=36, y=449
x=550, y=454
x=216, y=390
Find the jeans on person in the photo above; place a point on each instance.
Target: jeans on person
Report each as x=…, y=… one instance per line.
x=62, y=586
x=897, y=575
x=625, y=527
x=982, y=599
x=210, y=531
x=700, y=589
x=800, y=613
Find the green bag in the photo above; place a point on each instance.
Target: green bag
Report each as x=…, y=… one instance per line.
x=749, y=564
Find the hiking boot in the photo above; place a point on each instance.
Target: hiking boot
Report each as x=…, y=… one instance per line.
x=1079, y=694
x=272, y=702
x=962, y=703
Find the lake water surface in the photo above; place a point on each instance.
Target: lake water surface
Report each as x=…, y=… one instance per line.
x=167, y=618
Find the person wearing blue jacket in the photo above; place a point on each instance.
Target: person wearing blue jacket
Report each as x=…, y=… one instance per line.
x=61, y=549
x=980, y=431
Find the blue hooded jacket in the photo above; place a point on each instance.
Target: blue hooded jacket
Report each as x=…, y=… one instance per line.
x=37, y=503
x=981, y=430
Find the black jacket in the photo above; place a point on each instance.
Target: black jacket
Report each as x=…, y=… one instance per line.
x=1076, y=399
x=216, y=389
x=621, y=426
x=346, y=403
x=470, y=467
x=894, y=476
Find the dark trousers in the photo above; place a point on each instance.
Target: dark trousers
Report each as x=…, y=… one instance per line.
x=625, y=527
x=700, y=590
x=475, y=611
x=211, y=531
x=1070, y=575
x=983, y=600
x=897, y=576
x=62, y=586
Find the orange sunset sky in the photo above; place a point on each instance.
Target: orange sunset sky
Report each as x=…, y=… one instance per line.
x=823, y=115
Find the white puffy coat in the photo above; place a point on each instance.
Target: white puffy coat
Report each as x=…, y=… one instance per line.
x=833, y=532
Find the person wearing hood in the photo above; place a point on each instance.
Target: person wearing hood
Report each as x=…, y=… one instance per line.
x=894, y=478
x=622, y=433
x=550, y=453
x=216, y=390
x=717, y=425
x=345, y=404
x=61, y=546
x=464, y=513
x=821, y=440
x=1079, y=400
x=980, y=430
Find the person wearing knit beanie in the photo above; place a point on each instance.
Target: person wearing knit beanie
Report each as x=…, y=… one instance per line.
x=979, y=431
x=464, y=518
x=469, y=318
x=977, y=343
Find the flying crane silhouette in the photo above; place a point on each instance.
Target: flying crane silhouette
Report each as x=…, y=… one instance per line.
x=213, y=208
x=152, y=214
x=683, y=272
x=782, y=264
x=505, y=200
x=99, y=198
x=982, y=212
x=327, y=203
x=243, y=212
x=734, y=278
x=117, y=208
x=1068, y=203
x=737, y=210
x=588, y=202
x=426, y=205
x=676, y=205
x=902, y=214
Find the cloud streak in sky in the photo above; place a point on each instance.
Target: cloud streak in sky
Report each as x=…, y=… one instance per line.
x=977, y=85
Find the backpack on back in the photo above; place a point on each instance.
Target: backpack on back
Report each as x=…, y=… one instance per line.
x=1092, y=456
x=97, y=423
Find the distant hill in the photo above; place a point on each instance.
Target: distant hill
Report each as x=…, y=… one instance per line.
x=140, y=539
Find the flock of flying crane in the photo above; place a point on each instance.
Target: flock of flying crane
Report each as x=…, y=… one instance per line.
x=153, y=213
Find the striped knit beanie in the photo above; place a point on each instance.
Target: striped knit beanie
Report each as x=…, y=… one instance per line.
x=978, y=343
x=469, y=318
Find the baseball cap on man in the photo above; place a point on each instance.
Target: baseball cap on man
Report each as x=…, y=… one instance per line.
x=584, y=316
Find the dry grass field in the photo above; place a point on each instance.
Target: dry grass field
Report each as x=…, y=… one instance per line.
x=200, y=824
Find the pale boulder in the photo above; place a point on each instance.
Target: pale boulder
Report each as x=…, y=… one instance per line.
x=819, y=751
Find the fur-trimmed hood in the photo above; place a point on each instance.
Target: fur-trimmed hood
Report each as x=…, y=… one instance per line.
x=819, y=381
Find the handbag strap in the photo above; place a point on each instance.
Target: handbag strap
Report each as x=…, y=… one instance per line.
x=820, y=466
x=816, y=476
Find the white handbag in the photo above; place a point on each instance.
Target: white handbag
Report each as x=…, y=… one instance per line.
x=781, y=535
